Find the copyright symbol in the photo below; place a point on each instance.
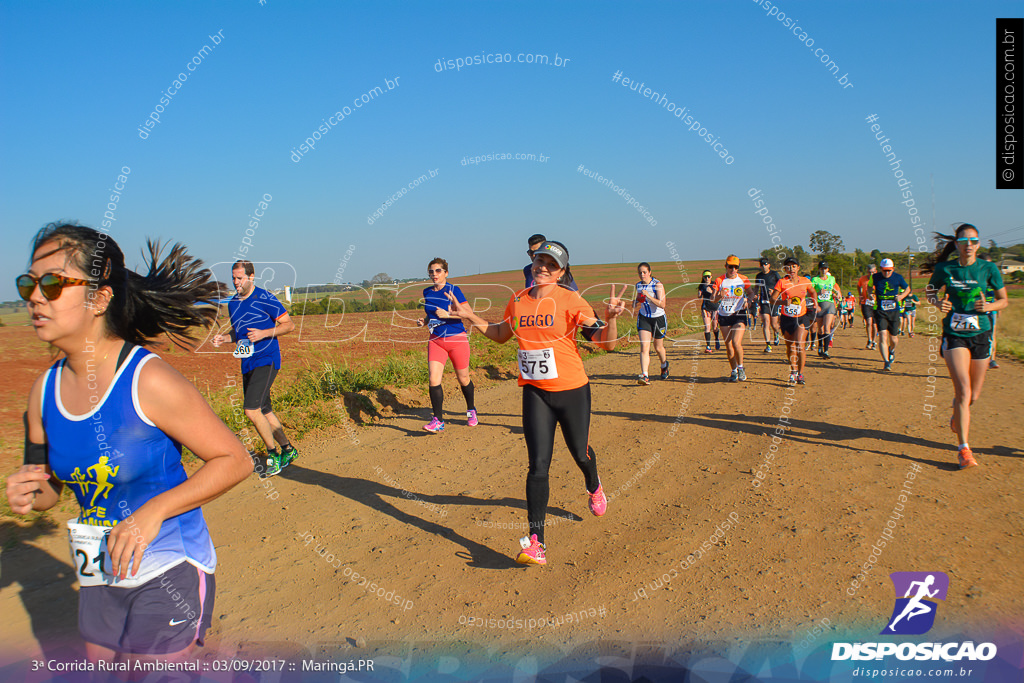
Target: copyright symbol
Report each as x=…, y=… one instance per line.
x=1008, y=174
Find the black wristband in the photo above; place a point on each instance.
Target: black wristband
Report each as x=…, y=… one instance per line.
x=590, y=331
x=37, y=454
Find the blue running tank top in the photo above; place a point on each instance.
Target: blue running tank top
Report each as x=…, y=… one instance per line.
x=115, y=460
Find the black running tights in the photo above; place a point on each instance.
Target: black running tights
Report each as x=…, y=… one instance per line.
x=542, y=410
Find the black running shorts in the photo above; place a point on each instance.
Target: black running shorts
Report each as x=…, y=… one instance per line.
x=789, y=324
x=732, y=320
x=887, y=321
x=656, y=326
x=980, y=345
x=256, y=387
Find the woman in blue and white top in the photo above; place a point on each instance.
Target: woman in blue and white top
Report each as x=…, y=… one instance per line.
x=448, y=339
x=651, y=322
x=109, y=421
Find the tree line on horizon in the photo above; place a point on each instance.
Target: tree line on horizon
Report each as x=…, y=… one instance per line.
x=848, y=267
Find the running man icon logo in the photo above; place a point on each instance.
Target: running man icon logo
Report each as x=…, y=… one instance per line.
x=914, y=612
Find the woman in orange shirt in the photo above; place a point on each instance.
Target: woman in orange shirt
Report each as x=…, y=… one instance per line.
x=544, y=320
x=794, y=291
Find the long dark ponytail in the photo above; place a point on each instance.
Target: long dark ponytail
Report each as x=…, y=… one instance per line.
x=945, y=245
x=175, y=296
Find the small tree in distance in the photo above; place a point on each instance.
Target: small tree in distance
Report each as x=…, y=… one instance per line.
x=825, y=243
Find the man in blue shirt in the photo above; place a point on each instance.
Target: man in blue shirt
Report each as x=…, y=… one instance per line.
x=890, y=291
x=257, y=320
x=532, y=245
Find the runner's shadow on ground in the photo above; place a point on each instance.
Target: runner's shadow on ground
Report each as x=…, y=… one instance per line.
x=828, y=434
x=373, y=495
x=46, y=586
x=486, y=420
x=1002, y=451
x=618, y=380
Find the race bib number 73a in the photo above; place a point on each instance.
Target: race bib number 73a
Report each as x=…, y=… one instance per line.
x=537, y=364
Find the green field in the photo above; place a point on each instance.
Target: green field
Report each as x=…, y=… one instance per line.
x=14, y=316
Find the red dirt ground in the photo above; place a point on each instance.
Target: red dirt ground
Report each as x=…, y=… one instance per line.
x=433, y=518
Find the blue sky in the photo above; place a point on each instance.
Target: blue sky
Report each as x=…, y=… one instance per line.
x=77, y=80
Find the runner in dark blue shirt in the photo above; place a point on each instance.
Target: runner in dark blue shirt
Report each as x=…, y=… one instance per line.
x=257, y=320
x=890, y=290
x=764, y=283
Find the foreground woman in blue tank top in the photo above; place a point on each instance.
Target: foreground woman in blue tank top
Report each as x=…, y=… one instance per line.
x=108, y=421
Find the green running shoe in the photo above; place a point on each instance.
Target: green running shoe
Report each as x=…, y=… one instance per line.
x=288, y=456
x=271, y=467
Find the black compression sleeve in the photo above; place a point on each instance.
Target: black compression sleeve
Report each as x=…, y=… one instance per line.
x=590, y=331
x=35, y=453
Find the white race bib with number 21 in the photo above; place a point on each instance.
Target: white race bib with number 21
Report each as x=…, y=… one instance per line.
x=537, y=364
x=89, y=553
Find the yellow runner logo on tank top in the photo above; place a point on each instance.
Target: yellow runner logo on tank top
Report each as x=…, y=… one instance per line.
x=97, y=476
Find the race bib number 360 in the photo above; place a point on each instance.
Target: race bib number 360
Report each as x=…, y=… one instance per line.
x=244, y=349
x=537, y=364
x=89, y=553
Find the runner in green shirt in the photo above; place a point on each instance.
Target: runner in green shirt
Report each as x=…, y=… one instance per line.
x=909, y=315
x=828, y=293
x=966, y=329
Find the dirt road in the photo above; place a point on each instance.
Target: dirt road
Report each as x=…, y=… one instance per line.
x=695, y=547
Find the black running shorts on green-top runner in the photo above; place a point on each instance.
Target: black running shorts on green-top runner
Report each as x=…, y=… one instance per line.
x=965, y=286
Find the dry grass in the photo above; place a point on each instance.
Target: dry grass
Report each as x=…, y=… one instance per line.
x=1010, y=327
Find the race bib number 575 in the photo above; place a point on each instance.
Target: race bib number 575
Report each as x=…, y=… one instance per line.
x=537, y=364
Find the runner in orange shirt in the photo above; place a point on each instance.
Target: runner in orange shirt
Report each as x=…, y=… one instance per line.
x=851, y=303
x=793, y=291
x=544, y=319
x=867, y=303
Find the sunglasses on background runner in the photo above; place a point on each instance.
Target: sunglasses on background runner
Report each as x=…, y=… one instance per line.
x=968, y=240
x=51, y=285
x=435, y=270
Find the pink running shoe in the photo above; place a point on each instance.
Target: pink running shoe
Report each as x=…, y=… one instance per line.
x=532, y=552
x=434, y=426
x=598, y=501
x=472, y=421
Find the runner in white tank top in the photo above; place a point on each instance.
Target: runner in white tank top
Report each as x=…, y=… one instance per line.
x=651, y=322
